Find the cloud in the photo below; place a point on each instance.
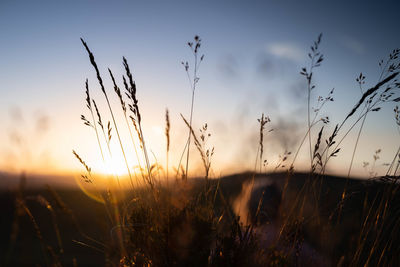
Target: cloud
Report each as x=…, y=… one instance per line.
x=353, y=45
x=284, y=50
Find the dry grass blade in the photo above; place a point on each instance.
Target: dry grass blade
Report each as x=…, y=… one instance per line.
x=118, y=92
x=370, y=92
x=88, y=103
x=205, y=154
x=100, y=122
x=316, y=154
x=131, y=91
x=87, y=245
x=196, y=141
x=263, y=121
x=123, y=106
x=134, y=107
x=88, y=169
x=93, y=62
x=167, y=128
x=109, y=129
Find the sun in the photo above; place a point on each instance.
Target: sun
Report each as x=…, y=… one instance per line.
x=115, y=166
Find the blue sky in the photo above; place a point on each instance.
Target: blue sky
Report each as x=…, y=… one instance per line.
x=253, y=53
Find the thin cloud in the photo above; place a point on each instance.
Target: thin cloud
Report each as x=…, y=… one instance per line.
x=288, y=51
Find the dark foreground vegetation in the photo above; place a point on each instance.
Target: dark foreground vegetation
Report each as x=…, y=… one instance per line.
x=65, y=227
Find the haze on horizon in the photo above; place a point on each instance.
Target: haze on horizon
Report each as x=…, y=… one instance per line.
x=254, y=52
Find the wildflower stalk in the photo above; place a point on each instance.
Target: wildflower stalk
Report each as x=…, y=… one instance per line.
x=195, y=48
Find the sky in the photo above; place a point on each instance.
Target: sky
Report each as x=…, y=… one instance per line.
x=254, y=51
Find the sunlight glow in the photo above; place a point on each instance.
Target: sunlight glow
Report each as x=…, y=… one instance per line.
x=114, y=166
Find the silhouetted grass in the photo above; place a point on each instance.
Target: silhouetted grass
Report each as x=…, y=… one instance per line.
x=287, y=218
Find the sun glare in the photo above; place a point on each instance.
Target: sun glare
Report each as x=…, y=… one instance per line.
x=115, y=166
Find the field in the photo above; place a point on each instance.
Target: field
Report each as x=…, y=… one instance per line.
x=160, y=216
x=323, y=239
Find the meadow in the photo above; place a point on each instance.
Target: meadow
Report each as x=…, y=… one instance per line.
x=161, y=216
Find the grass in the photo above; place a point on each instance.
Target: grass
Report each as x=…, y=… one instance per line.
x=291, y=218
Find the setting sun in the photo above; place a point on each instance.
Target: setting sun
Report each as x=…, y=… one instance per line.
x=115, y=166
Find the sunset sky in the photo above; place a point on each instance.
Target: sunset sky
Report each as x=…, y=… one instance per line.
x=254, y=51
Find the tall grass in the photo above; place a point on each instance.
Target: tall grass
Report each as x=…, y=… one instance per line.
x=186, y=222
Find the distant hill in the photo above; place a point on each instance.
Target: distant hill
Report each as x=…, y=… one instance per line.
x=11, y=180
